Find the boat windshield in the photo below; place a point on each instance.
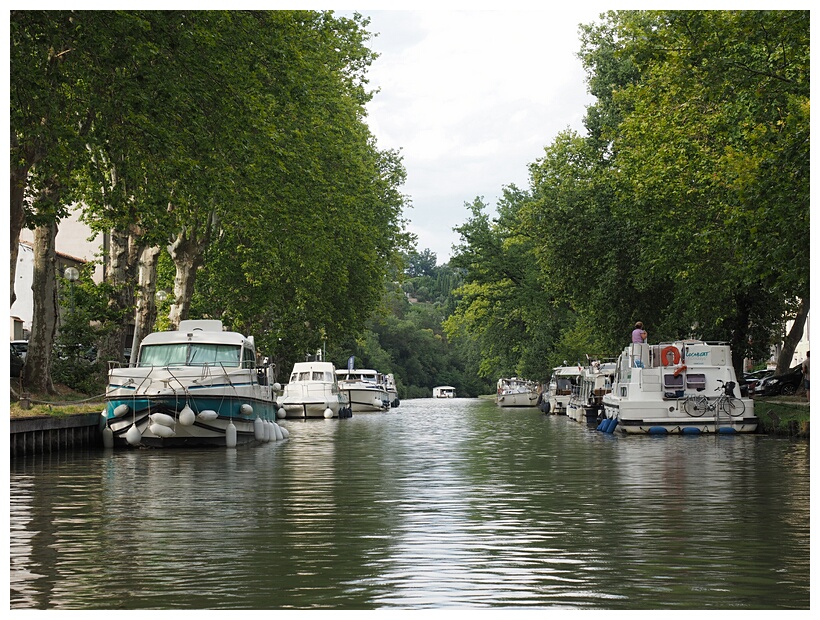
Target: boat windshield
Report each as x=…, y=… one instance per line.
x=186, y=354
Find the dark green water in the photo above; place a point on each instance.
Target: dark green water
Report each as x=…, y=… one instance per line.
x=437, y=504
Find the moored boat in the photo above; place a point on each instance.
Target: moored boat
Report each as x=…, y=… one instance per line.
x=313, y=392
x=516, y=392
x=586, y=403
x=686, y=387
x=195, y=386
x=564, y=380
x=364, y=391
x=444, y=391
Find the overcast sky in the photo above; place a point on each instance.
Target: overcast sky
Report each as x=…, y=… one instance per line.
x=471, y=98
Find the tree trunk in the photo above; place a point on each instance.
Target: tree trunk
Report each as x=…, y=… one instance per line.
x=793, y=337
x=146, y=308
x=123, y=255
x=186, y=252
x=17, y=213
x=37, y=371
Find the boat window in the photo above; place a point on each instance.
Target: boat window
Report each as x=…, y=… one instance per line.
x=304, y=376
x=293, y=377
x=163, y=354
x=329, y=377
x=673, y=382
x=214, y=354
x=318, y=375
x=696, y=381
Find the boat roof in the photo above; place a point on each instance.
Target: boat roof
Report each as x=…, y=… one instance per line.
x=444, y=387
x=207, y=331
x=568, y=370
x=304, y=366
x=359, y=371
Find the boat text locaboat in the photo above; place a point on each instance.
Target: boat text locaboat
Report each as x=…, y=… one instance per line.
x=444, y=391
x=195, y=386
x=364, y=388
x=313, y=392
x=586, y=402
x=686, y=386
x=516, y=392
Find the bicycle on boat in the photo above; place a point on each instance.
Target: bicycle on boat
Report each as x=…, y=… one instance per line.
x=725, y=403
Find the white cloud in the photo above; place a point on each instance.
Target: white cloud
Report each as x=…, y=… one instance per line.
x=472, y=98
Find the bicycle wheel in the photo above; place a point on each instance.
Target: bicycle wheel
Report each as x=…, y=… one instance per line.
x=696, y=406
x=733, y=407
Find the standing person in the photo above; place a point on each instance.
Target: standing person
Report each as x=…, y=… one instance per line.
x=638, y=334
x=806, y=374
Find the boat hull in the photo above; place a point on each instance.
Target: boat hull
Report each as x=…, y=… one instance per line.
x=520, y=399
x=670, y=417
x=363, y=400
x=123, y=413
x=313, y=409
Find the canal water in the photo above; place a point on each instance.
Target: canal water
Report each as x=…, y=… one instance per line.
x=437, y=504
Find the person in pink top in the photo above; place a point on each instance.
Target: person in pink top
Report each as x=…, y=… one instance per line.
x=638, y=334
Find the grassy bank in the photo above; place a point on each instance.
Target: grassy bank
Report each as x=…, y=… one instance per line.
x=783, y=415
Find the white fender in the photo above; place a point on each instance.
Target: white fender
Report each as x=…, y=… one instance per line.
x=328, y=413
x=285, y=432
x=259, y=429
x=270, y=435
x=245, y=409
x=108, y=437
x=281, y=413
x=160, y=430
x=230, y=435
x=163, y=419
x=133, y=436
x=187, y=416
x=208, y=415
x=278, y=432
x=121, y=410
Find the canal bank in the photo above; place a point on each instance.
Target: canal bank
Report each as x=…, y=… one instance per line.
x=54, y=433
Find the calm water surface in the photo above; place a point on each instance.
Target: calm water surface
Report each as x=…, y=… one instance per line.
x=436, y=504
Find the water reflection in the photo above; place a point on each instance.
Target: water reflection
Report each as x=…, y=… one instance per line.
x=437, y=504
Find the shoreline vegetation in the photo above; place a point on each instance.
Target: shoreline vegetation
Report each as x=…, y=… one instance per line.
x=786, y=416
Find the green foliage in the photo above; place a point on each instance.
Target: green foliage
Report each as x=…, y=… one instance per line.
x=686, y=206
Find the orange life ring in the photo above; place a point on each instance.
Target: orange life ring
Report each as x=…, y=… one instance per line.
x=665, y=355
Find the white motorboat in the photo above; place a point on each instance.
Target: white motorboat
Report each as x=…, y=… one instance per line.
x=313, y=392
x=364, y=390
x=516, y=392
x=564, y=380
x=444, y=391
x=686, y=386
x=196, y=386
x=586, y=402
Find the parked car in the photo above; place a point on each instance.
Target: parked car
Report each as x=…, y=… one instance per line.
x=20, y=347
x=16, y=362
x=752, y=379
x=785, y=384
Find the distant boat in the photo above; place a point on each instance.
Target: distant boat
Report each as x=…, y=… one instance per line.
x=196, y=386
x=313, y=392
x=444, y=391
x=515, y=392
x=364, y=391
